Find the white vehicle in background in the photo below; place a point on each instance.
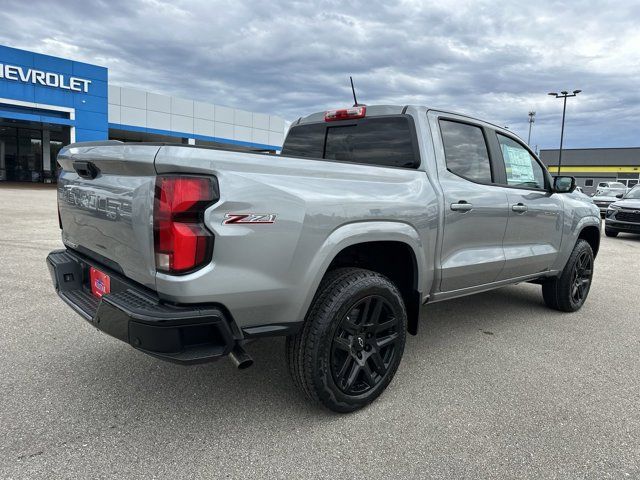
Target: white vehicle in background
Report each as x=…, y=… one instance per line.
x=608, y=186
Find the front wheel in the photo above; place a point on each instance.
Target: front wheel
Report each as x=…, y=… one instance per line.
x=569, y=291
x=610, y=233
x=353, y=339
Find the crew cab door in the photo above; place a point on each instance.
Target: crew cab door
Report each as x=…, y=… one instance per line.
x=475, y=210
x=534, y=229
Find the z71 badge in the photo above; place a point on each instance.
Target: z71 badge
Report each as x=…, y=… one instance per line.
x=253, y=218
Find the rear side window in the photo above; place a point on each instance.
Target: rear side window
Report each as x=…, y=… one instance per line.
x=384, y=141
x=465, y=151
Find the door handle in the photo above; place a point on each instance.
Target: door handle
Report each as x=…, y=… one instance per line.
x=520, y=208
x=461, y=206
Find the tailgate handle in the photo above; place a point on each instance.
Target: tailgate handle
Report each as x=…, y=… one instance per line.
x=86, y=169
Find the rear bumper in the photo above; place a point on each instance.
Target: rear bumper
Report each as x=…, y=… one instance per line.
x=181, y=334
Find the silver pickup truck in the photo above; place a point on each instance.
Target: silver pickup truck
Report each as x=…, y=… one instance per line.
x=189, y=253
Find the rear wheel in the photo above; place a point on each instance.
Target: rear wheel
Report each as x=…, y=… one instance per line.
x=610, y=233
x=569, y=291
x=352, y=342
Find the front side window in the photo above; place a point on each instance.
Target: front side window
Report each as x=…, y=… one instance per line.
x=521, y=167
x=465, y=151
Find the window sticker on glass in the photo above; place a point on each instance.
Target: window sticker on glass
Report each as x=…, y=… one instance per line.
x=522, y=169
x=518, y=164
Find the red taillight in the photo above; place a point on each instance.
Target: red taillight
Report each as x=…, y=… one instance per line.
x=345, y=114
x=182, y=243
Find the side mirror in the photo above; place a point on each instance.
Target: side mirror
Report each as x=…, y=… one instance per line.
x=564, y=184
x=620, y=195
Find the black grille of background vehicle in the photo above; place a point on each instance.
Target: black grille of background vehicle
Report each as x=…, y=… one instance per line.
x=628, y=217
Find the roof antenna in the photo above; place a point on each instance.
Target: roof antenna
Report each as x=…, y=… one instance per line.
x=353, y=90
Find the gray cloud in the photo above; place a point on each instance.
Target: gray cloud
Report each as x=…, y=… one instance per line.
x=493, y=60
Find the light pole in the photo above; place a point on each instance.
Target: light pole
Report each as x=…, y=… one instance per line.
x=531, y=121
x=564, y=95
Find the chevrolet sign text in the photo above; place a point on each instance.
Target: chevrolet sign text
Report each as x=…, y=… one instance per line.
x=48, y=79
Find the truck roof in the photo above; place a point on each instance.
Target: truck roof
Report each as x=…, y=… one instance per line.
x=380, y=110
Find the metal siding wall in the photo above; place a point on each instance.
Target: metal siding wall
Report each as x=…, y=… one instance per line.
x=140, y=111
x=593, y=157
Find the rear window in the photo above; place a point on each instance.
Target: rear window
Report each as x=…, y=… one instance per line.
x=385, y=141
x=305, y=141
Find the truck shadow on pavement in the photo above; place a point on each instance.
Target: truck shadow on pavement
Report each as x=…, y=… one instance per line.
x=122, y=384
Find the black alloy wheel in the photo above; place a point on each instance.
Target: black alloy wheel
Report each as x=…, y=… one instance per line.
x=581, y=277
x=364, y=345
x=568, y=291
x=352, y=341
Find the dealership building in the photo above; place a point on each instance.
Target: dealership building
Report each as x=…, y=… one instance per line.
x=47, y=102
x=592, y=166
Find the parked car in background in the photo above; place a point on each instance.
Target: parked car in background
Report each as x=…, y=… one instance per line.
x=606, y=197
x=605, y=186
x=624, y=215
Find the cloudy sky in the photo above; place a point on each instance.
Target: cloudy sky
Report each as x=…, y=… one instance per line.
x=495, y=60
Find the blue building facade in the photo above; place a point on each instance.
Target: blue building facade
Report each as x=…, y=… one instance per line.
x=44, y=83
x=47, y=102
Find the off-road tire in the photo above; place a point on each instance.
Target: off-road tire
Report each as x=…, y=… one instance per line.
x=560, y=293
x=314, y=353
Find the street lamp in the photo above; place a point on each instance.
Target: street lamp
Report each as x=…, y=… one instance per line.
x=564, y=95
x=531, y=121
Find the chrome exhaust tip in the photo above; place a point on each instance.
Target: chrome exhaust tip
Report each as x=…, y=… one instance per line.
x=240, y=358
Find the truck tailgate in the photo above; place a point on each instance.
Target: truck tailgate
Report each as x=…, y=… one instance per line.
x=106, y=198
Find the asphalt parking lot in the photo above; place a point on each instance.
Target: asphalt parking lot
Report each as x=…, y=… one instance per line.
x=494, y=386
